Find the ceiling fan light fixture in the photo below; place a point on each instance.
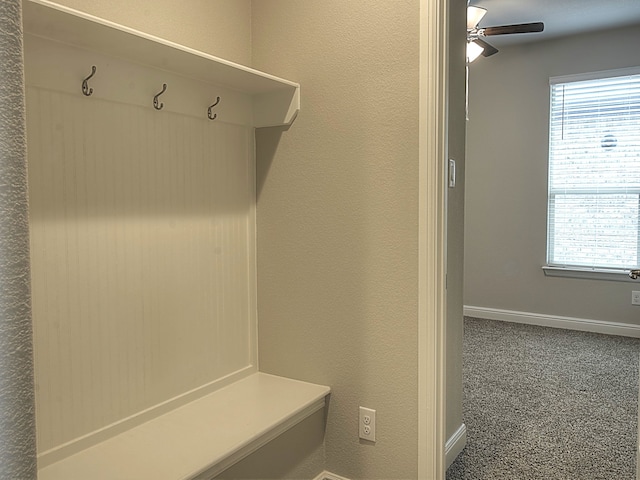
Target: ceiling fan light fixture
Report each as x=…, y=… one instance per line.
x=474, y=15
x=473, y=51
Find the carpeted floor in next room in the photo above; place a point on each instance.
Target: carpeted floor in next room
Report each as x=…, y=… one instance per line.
x=546, y=403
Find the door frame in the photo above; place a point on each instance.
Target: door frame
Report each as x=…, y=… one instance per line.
x=434, y=44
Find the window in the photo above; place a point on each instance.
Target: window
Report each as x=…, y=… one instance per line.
x=594, y=171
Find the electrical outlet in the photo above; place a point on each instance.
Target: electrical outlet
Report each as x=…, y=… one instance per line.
x=635, y=298
x=367, y=424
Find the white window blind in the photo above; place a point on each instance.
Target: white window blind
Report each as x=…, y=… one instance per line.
x=594, y=171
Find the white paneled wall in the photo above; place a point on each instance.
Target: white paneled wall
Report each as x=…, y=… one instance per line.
x=143, y=270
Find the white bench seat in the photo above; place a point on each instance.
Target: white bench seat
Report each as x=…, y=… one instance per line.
x=201, y=439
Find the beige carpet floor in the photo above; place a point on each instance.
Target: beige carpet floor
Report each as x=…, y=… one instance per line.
x=545, y=403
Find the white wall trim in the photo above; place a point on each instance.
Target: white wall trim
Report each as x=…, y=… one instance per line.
x=329, y=476
x=455, y=444
x=588, y=273
x=432, y=153
x=556, y=321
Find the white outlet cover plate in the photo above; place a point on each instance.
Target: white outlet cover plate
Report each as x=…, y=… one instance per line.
x=367, y=424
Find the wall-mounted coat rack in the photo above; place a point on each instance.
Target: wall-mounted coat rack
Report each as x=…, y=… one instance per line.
x=273, y=101
x=59, y=45
x=157, y=104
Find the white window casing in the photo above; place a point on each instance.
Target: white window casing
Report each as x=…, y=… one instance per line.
x=594, y=174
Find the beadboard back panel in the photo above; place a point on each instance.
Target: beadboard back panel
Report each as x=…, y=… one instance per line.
x=142, y=254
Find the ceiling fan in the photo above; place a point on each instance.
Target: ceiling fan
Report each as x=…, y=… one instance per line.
x=477, y=46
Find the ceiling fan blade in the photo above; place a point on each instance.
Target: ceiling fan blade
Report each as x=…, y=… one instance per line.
x=518, y=28
x=488, y=48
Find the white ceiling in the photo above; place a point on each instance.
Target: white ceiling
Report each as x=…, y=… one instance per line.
x=560, y=17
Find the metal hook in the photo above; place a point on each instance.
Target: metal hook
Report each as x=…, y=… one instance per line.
x=209, y=110
x=85, y=86
x=157, y=105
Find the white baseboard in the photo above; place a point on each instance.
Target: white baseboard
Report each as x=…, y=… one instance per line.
x=329, y=476
x=455, y=445
x=569, y=323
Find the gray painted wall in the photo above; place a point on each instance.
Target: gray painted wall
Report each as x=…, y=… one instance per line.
x=455, y=216
x=337, y=220
x=506, y=195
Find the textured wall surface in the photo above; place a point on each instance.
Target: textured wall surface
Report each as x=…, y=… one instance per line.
x=219, y=27
x=506, y=204
x=338, y=220
x=17, y=421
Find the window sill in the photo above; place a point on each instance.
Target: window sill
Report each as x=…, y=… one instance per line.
x=588, y=273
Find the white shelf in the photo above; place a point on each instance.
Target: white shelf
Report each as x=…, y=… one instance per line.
x=276, y=101
x=200, y=439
